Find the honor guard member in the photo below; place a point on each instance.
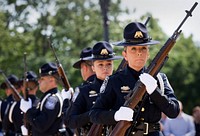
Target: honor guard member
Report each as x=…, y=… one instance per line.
x=8, y=128
x=16, y=116
x=45, y=119
x=102, y=64
x=88, y=75
x=109, y=109
x=85, y=66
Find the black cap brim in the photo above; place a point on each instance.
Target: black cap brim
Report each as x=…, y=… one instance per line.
x=77, y=64
x=122, y=43
x=111, y=58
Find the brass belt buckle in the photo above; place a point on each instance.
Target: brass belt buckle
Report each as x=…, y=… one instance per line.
x=147, y=128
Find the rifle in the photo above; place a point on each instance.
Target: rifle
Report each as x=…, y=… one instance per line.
x=63, y=77
x=15, y=93
x=25, y=93
x=96, y=129
x=157, y=63
x=61, y=71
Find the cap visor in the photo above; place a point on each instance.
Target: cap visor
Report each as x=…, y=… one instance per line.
x=113, y=58
x=77, y=64
x=122, y=43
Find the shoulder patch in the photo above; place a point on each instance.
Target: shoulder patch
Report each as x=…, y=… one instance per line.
x=51, y=102
x=103, y=86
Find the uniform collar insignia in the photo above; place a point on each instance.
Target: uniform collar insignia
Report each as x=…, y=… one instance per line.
x=125, y=89
x=92, y=93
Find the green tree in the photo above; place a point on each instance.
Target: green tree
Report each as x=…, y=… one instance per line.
x=182, y=69
x=73, y=25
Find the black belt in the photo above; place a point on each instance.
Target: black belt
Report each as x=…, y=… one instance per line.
x=145, y=128
x=18, y=134
x=56, y=135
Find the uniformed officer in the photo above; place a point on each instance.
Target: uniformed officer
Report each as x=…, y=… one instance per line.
x=85, y=66
x=8, y=128
x=45, y=119
x=88, y=75
x=102, y=64
x=109, y=108
x=16, y=116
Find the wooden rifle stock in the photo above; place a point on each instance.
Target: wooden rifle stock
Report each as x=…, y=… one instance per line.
x=97, y=128
x=63, y=76
x=139, y=90
x=25, y=93
x=15, y=93
x=122, y=65
x=61, y=71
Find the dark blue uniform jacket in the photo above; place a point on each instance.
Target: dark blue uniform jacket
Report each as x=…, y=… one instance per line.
x=118, y=87
x=44, y=119
x=79, y=115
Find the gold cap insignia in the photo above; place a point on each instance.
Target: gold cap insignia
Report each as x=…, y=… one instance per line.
x=104, y=52
x=138, y=34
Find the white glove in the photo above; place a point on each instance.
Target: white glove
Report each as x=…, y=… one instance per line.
x=124, y=113
x=149, y=82
x=25, y=105
x=24, y=130
x=67, y=94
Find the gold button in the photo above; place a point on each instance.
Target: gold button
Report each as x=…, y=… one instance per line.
x=142, y=109
x=141, y=118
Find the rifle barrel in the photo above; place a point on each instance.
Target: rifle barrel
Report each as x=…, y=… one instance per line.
x=139, y=90
x=15, y=93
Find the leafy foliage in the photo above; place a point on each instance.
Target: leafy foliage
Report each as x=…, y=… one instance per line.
x=72, y=25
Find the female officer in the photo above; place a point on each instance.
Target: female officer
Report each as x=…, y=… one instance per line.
x=109, y=109
x=102, y=64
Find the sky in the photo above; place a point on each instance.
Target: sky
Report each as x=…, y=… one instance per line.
x=170, y=14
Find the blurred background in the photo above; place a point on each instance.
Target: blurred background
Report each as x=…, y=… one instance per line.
x=27, y=25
